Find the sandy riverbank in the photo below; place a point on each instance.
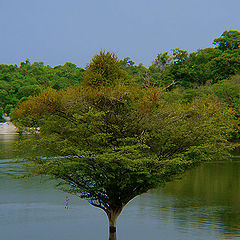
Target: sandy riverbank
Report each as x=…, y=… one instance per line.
x=8, y=127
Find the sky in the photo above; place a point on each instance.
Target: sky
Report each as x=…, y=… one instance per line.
x=59, y=31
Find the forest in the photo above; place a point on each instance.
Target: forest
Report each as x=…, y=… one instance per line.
x=115, y=130
x=184, y=76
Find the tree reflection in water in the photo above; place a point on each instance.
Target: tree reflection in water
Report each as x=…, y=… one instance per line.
x=208, y=195
x=207, y=198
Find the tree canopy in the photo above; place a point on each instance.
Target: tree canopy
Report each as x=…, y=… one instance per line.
x=186, y=70
x=229, y=40
x=111, y=142
x=104, y=70
x=17, y=83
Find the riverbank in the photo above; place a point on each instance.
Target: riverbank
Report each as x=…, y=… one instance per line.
x=7, y=127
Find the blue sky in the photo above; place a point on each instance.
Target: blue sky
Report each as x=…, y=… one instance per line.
x=57, y=31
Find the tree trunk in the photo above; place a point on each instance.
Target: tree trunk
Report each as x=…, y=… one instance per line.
x=112, y=218
x=112, y=235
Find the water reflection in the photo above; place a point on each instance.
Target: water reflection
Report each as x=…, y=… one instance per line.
x=206, y=196
x=202, y=205
x=6, y=145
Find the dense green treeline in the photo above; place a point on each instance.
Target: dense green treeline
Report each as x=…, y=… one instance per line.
x=186, y=75
x=17, y=83
x=191, y=70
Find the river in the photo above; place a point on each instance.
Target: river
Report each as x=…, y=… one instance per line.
x=204, y=205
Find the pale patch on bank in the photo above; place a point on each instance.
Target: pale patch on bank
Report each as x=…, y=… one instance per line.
x=7, y=127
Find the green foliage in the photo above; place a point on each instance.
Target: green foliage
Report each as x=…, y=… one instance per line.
x=173, y=69
x=109, y=145
x=127, y=62
x=226, y=91
x=8, y=109
x=104, y=70
x=225, y=65
x=229, y=40
x=108, y=141
x=162, y=61
x=139, y=74
x=1, y=113
x=204, y=66
x=27, y=91
x=179, y=55
x=18, y=83
x=229, y=92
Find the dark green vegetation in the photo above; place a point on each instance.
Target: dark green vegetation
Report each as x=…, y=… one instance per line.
x=120, y=133
x=120, y=129
x=1, y=114
x=17, y=83
x=207, y=71
x=116, y=143
x=191, y=70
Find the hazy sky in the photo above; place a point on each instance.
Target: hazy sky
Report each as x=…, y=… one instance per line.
x=56, y=31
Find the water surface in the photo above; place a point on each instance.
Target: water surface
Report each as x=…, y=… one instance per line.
x=204, y=205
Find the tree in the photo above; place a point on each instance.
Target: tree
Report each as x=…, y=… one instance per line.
x=1, y=115
x=127, y=62
x=104, y=70
x=29, y=90
x=229, y=40
x=204, y=66
x=225, y=65
x=8, y=109
x=110, y=144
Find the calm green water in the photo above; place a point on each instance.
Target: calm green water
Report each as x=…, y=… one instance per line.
x=204, y=205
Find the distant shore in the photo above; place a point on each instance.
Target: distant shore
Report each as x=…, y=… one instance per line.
x=7, y=127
